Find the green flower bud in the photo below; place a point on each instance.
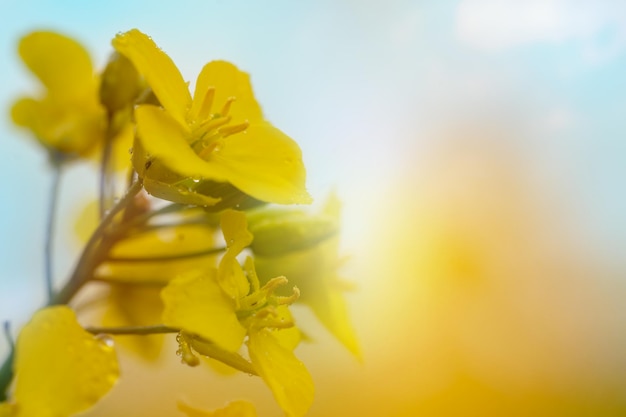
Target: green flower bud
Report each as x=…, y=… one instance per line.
x=278, y=232
x=120, y=84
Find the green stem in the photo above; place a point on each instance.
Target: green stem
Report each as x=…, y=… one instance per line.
x=130, y=281
x=52, y=209
x=93, y=255
x=106, y=185
x=174, y=257
x=133, y=330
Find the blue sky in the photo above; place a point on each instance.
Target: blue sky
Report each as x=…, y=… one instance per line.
x=364, y=88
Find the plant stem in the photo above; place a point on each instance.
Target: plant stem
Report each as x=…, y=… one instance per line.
x=52, y=209
x=173, y=257
x=133, y=330
x=91, y=256
x=106, y=185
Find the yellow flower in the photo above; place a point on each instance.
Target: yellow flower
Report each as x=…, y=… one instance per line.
x=233, y=409
x=226, y=304
x=60, y=369
x=312, y=265
x=68, y=117
x=191, y=145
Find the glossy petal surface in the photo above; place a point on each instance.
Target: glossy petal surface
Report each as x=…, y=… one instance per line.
x=60, y=368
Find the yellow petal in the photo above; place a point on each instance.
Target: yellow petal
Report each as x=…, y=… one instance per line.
x=230, y=274
x=285, y=375
x=159, y=71
x=60, y=368
x=262, y=162
x=198, y=305
x=233, y=409
x=164, y=146
x=61, y=63
x=228, y=81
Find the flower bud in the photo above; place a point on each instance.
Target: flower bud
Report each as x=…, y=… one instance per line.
x=120, y=84
x=278, y=232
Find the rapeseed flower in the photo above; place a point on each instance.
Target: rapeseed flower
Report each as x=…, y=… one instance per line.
x=224, y=305
x=190, y=145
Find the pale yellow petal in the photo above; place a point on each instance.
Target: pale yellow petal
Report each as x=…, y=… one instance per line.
x=158, y=69
x=234, y=409
x=228, y=82
x=60, y=368
x=61, y=63
x=198, y=305
x=284, y=374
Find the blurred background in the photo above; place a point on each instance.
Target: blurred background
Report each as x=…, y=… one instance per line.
x=479, y=150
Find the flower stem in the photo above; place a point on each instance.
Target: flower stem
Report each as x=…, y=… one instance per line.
x=162, y=258
x=92, y=255
x=133, y=330
x=52, y=209
x=107, y=189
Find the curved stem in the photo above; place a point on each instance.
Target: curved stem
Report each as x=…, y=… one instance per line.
x=133, y=330
x=107, y=190
x=91, y=256
x=52, y=209
x=174, y=257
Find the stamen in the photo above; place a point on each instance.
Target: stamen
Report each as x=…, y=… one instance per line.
x=207, y=103
x=290, y=299
x=227, y=105
x=272, y=284
x=208, y=146
x=210, y=124
x=231, y=130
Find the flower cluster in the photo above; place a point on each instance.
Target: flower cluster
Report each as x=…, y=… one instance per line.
x=196, y=246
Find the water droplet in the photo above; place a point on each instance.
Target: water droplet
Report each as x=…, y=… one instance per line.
x=106, y=340
x=196, y=180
